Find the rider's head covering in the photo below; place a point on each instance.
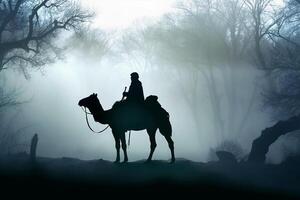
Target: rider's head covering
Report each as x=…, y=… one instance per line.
x=134, y=75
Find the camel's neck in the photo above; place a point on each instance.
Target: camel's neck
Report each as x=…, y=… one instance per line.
x=98, y=113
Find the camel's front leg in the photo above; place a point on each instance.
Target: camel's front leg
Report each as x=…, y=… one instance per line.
x=117, y=145
x=123, y=140
x=118, y=150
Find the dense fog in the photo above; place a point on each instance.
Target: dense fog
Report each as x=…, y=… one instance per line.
x=217, y=101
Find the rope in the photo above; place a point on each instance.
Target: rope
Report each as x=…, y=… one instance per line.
x=84, y=110
x=87, y=121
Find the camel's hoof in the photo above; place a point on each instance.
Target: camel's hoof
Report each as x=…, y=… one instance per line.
x=117, y=161
x=172, y=161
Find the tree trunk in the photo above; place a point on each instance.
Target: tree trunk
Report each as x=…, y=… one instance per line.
x=33, y=146
x=260, y=145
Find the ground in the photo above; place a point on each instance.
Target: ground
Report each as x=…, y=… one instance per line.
x=71, y=176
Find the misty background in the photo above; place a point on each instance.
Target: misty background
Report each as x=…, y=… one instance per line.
x=201, y=59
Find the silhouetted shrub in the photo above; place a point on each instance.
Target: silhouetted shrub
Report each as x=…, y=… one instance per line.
x=229, y=146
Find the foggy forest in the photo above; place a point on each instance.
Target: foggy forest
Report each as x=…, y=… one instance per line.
x=225, y=72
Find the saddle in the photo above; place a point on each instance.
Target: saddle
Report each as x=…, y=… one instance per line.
x=150, y=104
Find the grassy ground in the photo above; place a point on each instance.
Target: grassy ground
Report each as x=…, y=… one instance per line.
x=70, y=176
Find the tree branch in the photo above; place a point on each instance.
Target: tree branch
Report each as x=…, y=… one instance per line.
x=12, y=14
x=73, y=15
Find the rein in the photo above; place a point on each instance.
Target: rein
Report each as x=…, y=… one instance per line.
x=87, y=121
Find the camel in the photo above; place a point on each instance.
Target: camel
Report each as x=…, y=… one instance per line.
x=122, y=118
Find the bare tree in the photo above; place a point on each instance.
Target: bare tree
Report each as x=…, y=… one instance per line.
x=29, y=38
x=28, y=29
x=271, y=22
x=257, y=9
x=288, y=23
x=284, y=97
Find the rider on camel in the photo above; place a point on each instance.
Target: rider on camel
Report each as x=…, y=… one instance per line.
x=135, y=93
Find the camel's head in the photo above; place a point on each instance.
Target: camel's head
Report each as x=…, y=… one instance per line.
x=88, y=101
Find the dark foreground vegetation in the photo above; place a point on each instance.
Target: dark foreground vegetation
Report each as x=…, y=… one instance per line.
x=73, y=177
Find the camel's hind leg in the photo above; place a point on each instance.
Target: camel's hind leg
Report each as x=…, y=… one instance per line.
x=123, y=140
x=151, y=133
x=171, y=146
x=166, y=130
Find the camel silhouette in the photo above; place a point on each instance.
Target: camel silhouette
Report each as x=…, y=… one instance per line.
x=122, y=118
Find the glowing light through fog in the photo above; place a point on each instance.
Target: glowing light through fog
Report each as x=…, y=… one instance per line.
x=119, y=14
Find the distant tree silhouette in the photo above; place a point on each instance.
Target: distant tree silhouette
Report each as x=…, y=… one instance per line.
x=227, y=146
x=283, y=96
x=205, y=43
x=91, y=43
